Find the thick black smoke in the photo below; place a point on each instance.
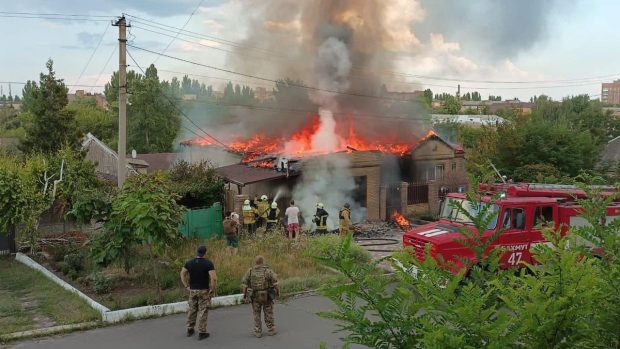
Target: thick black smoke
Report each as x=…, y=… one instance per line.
x=304, y=40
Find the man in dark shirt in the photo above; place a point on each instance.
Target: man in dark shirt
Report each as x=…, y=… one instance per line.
x=201, y=287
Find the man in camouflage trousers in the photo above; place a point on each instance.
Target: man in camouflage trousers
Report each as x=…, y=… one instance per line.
x=260, y=285
x=201, y=286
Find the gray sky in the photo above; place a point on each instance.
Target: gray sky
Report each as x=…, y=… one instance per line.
x=456, y=42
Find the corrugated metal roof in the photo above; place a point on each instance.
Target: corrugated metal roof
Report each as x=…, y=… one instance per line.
x=242, y=174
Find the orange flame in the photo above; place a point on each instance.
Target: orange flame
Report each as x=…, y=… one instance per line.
x=263, y=164
x=300, y=142
x=400, y=220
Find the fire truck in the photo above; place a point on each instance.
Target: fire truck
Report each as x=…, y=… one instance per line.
x=520, y=212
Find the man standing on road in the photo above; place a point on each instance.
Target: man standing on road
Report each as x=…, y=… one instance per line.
x=292, y=218
x=202, y=286
x=260, y=285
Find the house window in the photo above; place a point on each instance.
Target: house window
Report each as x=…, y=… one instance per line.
x=454, y=166
x=439, y=171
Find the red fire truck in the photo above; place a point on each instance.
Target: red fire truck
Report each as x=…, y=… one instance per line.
x=521, y=210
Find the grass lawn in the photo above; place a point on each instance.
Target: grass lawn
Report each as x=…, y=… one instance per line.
x=292, y=260
x=28, y=300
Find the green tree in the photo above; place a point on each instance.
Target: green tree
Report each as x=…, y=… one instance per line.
x=198, y=185
x=49, y=125
x=90, y=118
x=562, y=303
x=451, y=105
x=599, y=232
x=144, y=213
x=537, y=173
x=153, y=122
x=13, y=199
x=428, y=97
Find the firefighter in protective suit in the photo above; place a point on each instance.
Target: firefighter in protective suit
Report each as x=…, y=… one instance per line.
x=345, y=219
x=263, y=209
x=249, y=218
x=320, y=219
x=260, y=286
x=272, y=216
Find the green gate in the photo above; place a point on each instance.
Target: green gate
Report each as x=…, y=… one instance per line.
x=203, y=223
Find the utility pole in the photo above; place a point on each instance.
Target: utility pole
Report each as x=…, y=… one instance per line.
x=122, y=99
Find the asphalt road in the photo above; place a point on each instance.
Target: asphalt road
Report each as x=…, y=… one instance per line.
x=230, y=327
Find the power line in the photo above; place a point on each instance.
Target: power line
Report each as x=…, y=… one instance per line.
x=52, y=14
x=93, y=54
x=152, y=23
x=177, y=108
x=105, y=65
x=182, y=28
x=169, y=28
x=24, y=83
x=340, y=92
x=291, y=110
x=56, y=18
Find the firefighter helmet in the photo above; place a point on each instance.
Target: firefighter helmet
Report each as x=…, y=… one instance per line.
x=274, y=205
x=246, y=202
x=320, y=205
x=264, y=198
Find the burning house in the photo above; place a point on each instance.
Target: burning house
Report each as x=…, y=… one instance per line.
x=376, y=182
x=334, y=137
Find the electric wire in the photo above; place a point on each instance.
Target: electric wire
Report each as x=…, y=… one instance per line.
x=57, y=18
x=306, y=87
x=72, y=85
x=152, y=23
x=401, y=81
x=179, y=109
x=105, y=66
x=179, y=32
x=92, y=54
x=52, y=14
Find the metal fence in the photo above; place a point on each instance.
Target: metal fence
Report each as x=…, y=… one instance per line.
x=203, y=223
x=417, y=194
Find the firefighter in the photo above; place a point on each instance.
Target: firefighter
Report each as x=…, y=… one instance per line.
x=345, y=219
x=320, y=219
x=272, y=216
x=263, y=207
x=249, y=218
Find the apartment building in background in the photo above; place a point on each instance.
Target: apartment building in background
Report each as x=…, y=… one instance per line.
x=610, y=92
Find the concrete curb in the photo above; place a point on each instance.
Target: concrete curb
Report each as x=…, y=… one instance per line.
x=20, y=257
x=166, y=309
x=47, y=331
x=109, y=316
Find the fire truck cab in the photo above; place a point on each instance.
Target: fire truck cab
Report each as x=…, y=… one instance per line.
x=521, y=211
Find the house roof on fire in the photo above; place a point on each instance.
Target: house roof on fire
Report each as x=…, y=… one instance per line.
x=457, y=148
x=242, y=174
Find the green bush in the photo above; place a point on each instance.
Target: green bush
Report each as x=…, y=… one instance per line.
x=58, y=252
x=169, y=279
x=64, y=267
x=327, y=246
x=72, y=274
x=102, y=284
x=75, y=261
